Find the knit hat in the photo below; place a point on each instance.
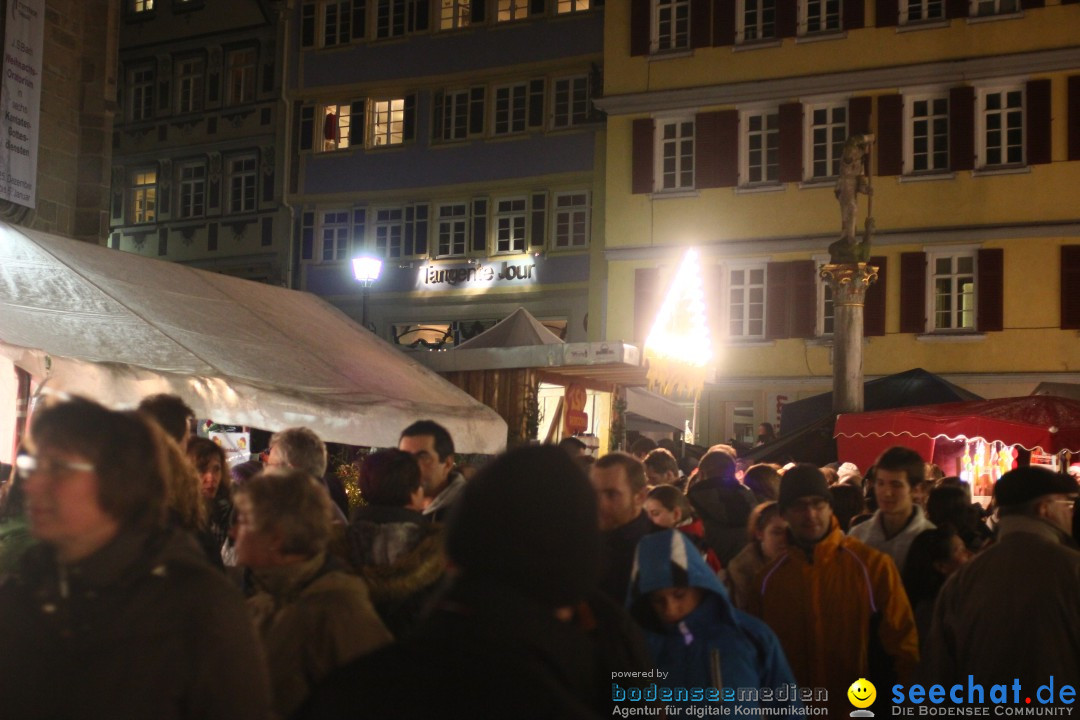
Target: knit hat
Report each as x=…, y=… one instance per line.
x=1018, y=486
x=803, y=480
x=529, y=519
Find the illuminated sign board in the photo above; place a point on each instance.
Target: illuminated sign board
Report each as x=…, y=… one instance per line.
x=480, y=275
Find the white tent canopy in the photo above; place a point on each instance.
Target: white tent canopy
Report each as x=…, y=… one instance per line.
x=116, y=327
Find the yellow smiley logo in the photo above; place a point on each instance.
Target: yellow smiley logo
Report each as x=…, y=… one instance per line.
x=862, y=693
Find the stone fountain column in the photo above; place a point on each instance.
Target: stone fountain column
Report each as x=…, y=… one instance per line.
x=848, y=282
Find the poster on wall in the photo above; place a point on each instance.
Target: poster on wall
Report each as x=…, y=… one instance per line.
x=20, y=100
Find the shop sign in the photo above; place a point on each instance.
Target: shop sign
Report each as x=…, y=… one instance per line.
x=439, y=277
x=576, y=420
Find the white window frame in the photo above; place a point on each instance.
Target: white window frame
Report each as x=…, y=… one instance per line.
x=746, y=32
x=455, y=14
x=190, y=84
x=191, y=183
x=387, y=23
x=141, y=81
x=511, y=10
x=142, y=6
x=240, y=67
x=565, y=7
x=576, y=103
x=143, y=195
x=826, y=310
x=983, y=149
x=242, y=179
x=570, y=216
x=925, y=8
x=342, y=22
x=746, y=117
x=976, y=5
x=952, y=253
x=344, y=120
x=835, y=147
x=334, y=228
x=676, y=36
x=661, y=145
x=453, y=227
x=455, y=109
x=729, y=307
x=510, y=221
x=910, y=119
x=822, y=24
x=386, y=122
x=386, y=221
x=514, y=107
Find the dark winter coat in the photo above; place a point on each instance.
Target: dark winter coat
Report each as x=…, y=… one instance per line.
x=617, y=555
x=724, y=507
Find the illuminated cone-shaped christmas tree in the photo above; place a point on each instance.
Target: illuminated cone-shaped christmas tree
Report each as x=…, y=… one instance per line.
x=679, y=350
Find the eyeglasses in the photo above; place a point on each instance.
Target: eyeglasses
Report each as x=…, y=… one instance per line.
x=25, y=465
x=1069, y=504
x=816, y=504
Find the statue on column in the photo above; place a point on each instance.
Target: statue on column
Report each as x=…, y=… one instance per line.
x=854, y=179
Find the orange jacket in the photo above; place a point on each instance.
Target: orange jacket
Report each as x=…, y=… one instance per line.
x=821, y=611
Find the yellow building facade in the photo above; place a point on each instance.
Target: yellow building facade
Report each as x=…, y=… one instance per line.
x=726, y=120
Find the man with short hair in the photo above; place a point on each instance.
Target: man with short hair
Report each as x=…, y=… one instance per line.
x=661, y=468
x=1013, y=612
x=301, y=449
x=837, y=605
x=892, y=528
x=722, y=502
x=430, y=443
x=618, y=479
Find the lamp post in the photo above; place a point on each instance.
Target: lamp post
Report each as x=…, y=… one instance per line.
x=366, y=270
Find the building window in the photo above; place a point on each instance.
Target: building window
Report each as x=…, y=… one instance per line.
x=241, y=178
x=453, y=223
x=828, y=131
x=192, y=190
x=746, y=302
x=454, y=115
x=510, y=225
x=952, y=287
x=189, y=85
x=455, y=14
x=389, y=232
x=983, y=8
x=675, y=154
x=142, y=6
x=337, y=22
x=756, y=20
x=1001, y=128
x=569, y=6
x=336, y=127
x=144, y=196
x=760, y=150
x=510, y=108
x=512, y=10
x=570, y=101
x=571, y=227
x=391, y=18
x=334, y=234
x=820, y=16
x=671, y=25
x=141, y=86
x=387, y=122
x=928, y=134
x=916, y=11
x=240, y=71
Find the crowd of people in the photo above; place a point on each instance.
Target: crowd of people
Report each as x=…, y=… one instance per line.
x=141, y=576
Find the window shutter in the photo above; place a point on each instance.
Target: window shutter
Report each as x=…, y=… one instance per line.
x=476, y=111
x=890, y=135
x=408, y=125
x=359, y=19
x=646, y=301
x=913, y=292
x=356, y=123
x=307, y=235
x=1037, y=122
x=476, y=12
x=307, y=25
x=854, y=14
x=887, y=13
x=537, y=7
x=422, y=230
x=1073, y=117
x=791, y=137
x=874, y=307
x=962, y=128
x=956, y=8
x=410, y=230
x=437, y=116
x=535, y=103
x=359, y=223
x=991, y=291
x=1070, y=287
x=479, y=225
x=421, y=15
x=724, y=22
x=802, y=298
x=306, y=127
x=859, y=115
x=777, y=287
x=787, y=18
x=640, y=30
x=699, y=23
x=538, y=225
x=642, y=180
x=716, y=149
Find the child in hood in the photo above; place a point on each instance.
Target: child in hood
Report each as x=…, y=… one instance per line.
x=693, y=631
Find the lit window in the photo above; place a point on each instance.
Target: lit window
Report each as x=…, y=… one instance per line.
x=189, y=85
x=513, y=10
x=757, y=20
x=1001, y=128
x=240, y=71
x=142, y=6
x=192, y=190
x=452, y=228
x=510, y=225
x=820, y=16
x=915, y=11
x=828, y=132
x=141, y=86
x=387, y=122
x=510, y=109
x=334, y=233
x=675, y=154
x=746, y=302
x=336, y=126
x=571, y=220
x=761, y=147
x=953, y=288
x=570, y=6
x=570, y=100
x=671, y=25
x=242, y=184
x=144, y=196
x=455, y=14
x=928, y=133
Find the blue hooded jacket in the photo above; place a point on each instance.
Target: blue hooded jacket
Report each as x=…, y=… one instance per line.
x=715, y=645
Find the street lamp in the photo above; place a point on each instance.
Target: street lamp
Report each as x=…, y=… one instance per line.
x=366, y=270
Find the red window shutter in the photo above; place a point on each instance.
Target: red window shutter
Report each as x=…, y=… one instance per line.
x=956, y=8
x=887, y=13
x=787, y=18
x=640, y=26
x=912, y=292
x=874, y=309
x=962, y=128
x=716, y=149
x=646, y=302
x=1074, y=117
x=1070, y=287
x=1037, y=122
x=991, y=291
x=859, y=115
x=890, y=136
x=802, y=298
x=777, y=325
x=791, y=138
x=854, y=14
x=642, y=179
x=723, y=22
x=700, y=23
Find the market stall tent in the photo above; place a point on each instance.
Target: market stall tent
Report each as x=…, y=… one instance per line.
x=114, y=326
